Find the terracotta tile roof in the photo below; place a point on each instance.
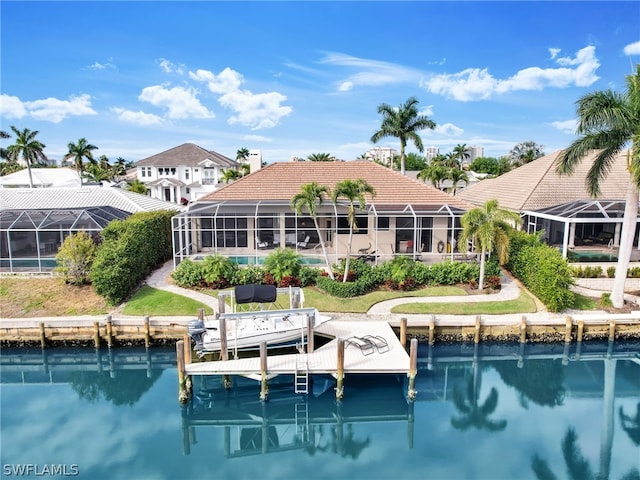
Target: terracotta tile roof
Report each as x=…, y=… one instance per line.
x=536, y=185
x=281, y=181
x=186, y=154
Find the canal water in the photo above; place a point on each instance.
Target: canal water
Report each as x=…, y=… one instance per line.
x=491, y=411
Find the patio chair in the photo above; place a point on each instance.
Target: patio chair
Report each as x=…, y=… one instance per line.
x=379, y=342
x=262, y=245
x=365, y=346
x=304, y=243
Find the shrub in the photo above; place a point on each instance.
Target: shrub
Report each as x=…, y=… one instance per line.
x=289, y=281
x=187, y=274
x=493, y=281
x=283, y=262
x=633, y=272
x=586, y=272
x=75, y=257
x=248, y=274
x=605, y=300
x=218, y=271
x=611, y=272
x=308, y=276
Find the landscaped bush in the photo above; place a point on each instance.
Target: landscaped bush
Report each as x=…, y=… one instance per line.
x=249, y=274
x=218, y=271
x=188, y=274
x=130, y=250
x=75, y=258
x=611, y=272
x=308, y=276
x=587, y=271
x=542, y=269
x=283, y=262
x=633, y=272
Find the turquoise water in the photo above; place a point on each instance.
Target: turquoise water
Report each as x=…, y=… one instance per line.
x=482, y=412
x=592, y=256
x=253, y=260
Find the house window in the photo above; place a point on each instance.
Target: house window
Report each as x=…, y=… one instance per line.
x=187, y=190
x=382, y=223
x=231, y=232
x=186, y=175
x=362, y=221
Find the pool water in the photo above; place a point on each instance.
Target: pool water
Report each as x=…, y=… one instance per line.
x=253, y=260
x=592, y=256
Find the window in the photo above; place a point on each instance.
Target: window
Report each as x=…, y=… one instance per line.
x=186, y=175
x=362, y=221
x=383, y=223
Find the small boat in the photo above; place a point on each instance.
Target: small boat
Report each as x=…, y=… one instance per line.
x=246, y=330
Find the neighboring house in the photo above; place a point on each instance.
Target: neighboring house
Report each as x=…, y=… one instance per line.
x=254, y=214
x=183, y=173
x=35, y=221
x=42, y=178
x=561, y=205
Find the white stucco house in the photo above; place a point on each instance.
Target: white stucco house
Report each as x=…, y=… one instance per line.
x=184, y=173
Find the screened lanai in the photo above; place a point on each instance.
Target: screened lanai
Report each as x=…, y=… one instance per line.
x=581, y=225
x=249, y=230
x=29, y=239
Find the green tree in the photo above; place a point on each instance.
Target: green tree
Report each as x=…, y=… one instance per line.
x=138, y=186
x=412, y=162
x=229, y=175
x=404, y=123
x=78, y=152
x=3, y=151
x=353, y=191
x=283, y=262
x=525, y=152
x=460, y=153
x=119, y=167
x=607, y=122
x=321, y=157
x=242, y=155
x=434, y=173
x=456, y=176
x=490, y=165
x=75, y=257
x=488, y=228
x=28, y=148
x=310, y=197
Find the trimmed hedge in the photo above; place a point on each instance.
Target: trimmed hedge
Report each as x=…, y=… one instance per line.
x=542, y=269
x=130, y=250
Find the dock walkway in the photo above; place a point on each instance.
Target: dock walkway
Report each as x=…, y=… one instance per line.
x=323, y=360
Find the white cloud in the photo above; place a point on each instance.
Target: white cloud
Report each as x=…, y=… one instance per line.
x=101, y=66
x=478, y=84
x=55, y=110
x=11, y=107
x=371, y=72
x=260, y=110
x=632, y=48
x=257, y=138
x=554, y=52
x=178, y=101
x=137, y=118
x=226, y=81
x=566, y=126
x=255, y=110
x=428, y=111
x=170, y=67
x=446, y=129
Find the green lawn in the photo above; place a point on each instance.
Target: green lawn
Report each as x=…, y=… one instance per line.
x=155, y=303
x=523, y=304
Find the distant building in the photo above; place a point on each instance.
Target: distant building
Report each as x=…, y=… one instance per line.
x=474, y=152
x=431, y=152
x=383, y=155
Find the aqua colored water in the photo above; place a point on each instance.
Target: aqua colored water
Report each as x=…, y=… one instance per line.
x=253, y=260
x=485, y=412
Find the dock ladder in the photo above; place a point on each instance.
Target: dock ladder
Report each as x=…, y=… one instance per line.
x=302, y=374
x=302, y=421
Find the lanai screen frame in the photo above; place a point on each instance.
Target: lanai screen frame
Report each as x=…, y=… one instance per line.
x=187, y=232
x=30, y=239
x=580, y=212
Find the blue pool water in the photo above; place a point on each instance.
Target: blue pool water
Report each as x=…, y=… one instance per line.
x=482, y=412
x=253, y=260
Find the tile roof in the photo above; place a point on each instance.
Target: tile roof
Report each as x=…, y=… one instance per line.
x=75, y=198
x=186, y=154
x=536, y=185
x=281, y=181
x=42, y=177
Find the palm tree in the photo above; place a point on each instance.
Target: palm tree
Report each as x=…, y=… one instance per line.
x=119, y=167
x=608, y=121
x=138, y=186
x=456, y=175
x=460, y=153
x=321, y=157
x=403, y=122
x=242, y=155
x=309, y=198
x=352, y=190
x=434, y=173
x=78, y=152
x=3, y=151
x=229, y=175
x=27, y=148
x=487, y=227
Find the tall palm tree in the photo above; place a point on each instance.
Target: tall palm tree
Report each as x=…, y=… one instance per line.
x=138, y=186
x=242, y=155
x=27, y=148
x=404, y=123
x=78, y=152
x=3, y=151
x=461, y=153
x=487, y=227
x=456, y=175
x=353, y=191
x=608, y=121
x=120, y=167
x=433, y=173
x=310, y=197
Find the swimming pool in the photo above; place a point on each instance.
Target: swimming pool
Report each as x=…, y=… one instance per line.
x=591, y=256
x=253, y=260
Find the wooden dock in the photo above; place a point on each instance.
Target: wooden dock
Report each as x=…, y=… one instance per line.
x=324, y=360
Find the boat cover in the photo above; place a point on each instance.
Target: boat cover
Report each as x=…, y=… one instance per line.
x=256, y=293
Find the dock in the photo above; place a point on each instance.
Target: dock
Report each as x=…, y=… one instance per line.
x=323, y=360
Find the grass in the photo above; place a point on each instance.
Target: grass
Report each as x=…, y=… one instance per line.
x=153, y=302
x=585, y=303
x=315, y=297
x=523, y=304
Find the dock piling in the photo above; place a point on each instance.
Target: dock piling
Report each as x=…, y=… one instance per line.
x=96, y=334
x=109, y=332
x=432, y=330
x=403, y=332
x=612, y=330
x=43, y=336
x=476, y=338
x=183, y=396
x=523, y=329
x=311, y=320
x=568, y=327
x=580, y=330
x=264, y=383
x=340, y=370
x=224, y=352
x=413, y=368
x=147, y=332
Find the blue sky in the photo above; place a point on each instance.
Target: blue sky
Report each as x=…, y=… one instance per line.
x=296, y=78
